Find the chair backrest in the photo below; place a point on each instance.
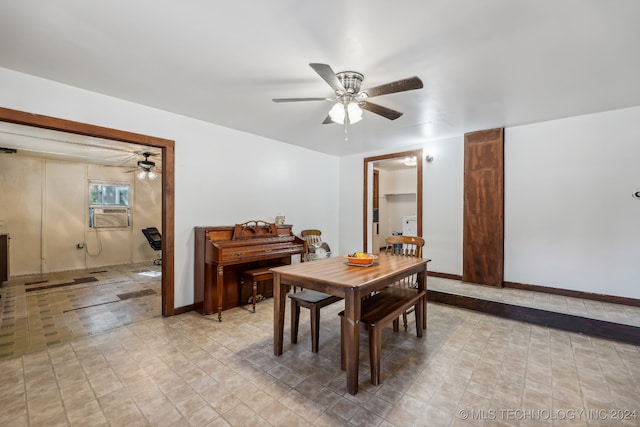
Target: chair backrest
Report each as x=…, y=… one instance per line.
x=309, y=237
x=153, y=237
x=404, y=245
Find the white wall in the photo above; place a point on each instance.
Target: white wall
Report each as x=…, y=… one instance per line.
x=222, y=176
x=570, y=219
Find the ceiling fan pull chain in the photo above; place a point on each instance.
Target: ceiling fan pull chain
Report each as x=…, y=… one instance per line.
x=346, y=123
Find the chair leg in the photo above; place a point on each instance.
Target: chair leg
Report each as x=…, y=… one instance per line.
x=404, y=320
x=295, y=320
x=315, y=327
x=396, y=325
x=375, y=347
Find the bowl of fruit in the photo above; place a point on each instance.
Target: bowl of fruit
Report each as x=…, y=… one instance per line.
x=360, y=258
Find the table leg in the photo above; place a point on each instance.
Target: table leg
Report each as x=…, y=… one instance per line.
x=352, y=338
x=279, y=301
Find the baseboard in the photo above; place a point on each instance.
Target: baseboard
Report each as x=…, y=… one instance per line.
x=444, y=275
x=575, y=294
x=183, y=309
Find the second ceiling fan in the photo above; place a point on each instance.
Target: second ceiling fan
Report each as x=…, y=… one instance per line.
x=351, y=99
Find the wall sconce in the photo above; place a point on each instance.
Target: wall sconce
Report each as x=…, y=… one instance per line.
x=428, y=158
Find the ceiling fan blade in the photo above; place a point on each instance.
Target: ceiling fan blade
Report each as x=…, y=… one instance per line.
x=299, y=99
x=400, y=86
x=328, y=75
x=380, y=110
x=327, y=120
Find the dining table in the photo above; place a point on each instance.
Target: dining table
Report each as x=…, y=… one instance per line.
x=336, y=276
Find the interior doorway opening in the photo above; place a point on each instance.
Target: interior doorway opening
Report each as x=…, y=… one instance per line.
x=378, y=220
x=168, y=160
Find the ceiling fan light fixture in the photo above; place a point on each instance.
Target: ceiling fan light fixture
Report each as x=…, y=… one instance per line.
x=152, y=175
x=353, y=111
x=410, y=161
x=141, y=175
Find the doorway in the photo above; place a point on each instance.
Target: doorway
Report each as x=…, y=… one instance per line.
x=168, y=161
x=372, y=186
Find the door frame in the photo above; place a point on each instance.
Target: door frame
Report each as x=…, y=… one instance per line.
x=368, y=176
x=168, y=179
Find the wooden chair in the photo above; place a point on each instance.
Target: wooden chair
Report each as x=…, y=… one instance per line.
x=376, y=312
x=312, y=300
x=310, y=236
x=405, y=246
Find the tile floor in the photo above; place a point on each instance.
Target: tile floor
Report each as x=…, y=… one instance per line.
x=39, y=311
x=470, y=369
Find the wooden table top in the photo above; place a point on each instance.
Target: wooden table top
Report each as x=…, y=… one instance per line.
x=337, y=273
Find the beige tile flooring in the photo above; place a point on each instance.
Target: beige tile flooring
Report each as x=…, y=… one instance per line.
x=470, y=369
x=38, y=311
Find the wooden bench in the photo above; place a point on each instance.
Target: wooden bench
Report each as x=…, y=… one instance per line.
x=254, y=277
x=378, y=311
x=314, y=301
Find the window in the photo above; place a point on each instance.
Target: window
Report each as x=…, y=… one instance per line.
x=109, y=204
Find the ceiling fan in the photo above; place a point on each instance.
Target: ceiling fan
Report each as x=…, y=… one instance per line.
x=350, y=99
x=146, y=168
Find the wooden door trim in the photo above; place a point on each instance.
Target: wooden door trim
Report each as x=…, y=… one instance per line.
x=168, y=179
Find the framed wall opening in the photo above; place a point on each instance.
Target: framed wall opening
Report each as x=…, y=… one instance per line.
x=167, y=148
x=368, y=196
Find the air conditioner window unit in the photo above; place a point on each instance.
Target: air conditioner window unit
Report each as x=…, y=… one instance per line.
x=110, y=217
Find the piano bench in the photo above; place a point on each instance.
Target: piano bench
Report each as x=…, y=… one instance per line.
x=314, y=301
x=254, y=277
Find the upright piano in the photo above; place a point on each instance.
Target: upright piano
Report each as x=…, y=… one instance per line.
x=223, y=252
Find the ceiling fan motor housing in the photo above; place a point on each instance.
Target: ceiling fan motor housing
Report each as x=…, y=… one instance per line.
x=351, y=81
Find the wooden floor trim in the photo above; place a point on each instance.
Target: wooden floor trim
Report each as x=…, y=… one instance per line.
x=613, y=299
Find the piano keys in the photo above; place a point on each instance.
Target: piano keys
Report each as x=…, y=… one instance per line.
x=223, y=252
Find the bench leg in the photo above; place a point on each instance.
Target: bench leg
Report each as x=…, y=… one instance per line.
x=315, y=327
x=375, y=348
x=295, y=320
x=342, y=358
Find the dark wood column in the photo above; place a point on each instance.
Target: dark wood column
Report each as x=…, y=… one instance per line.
x=483, y=228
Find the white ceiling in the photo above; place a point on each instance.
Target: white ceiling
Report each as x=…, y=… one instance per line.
x=484, y=63
x=44, y=143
